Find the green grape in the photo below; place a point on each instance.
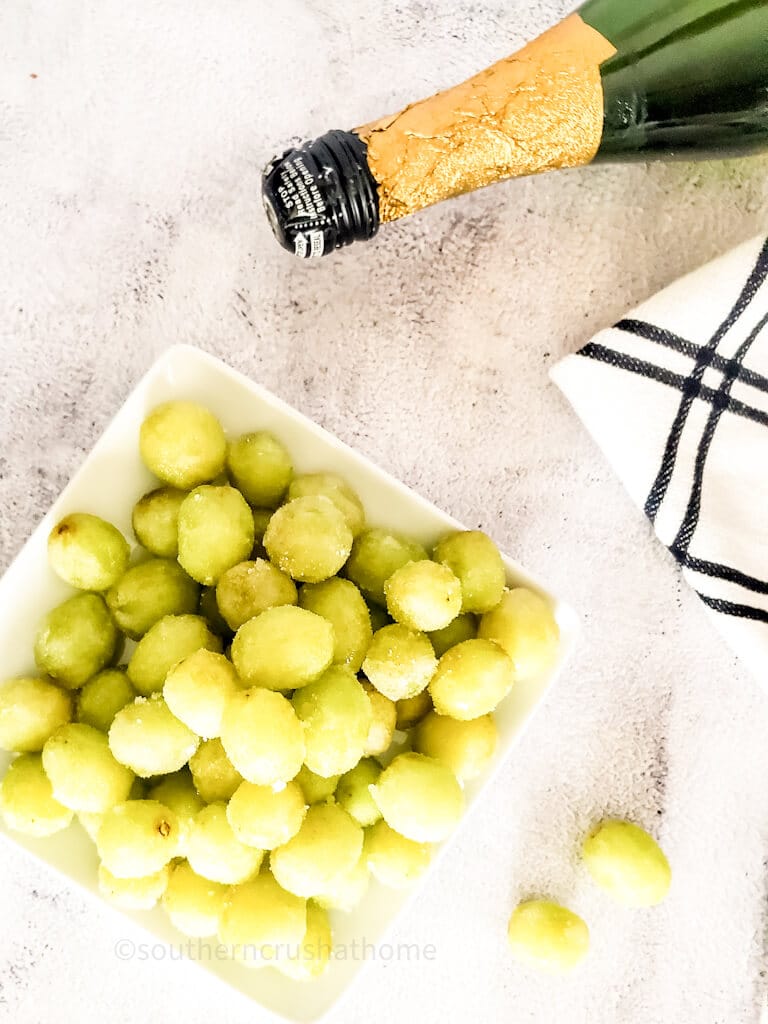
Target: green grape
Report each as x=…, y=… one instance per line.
x=341, y=603
x=193, y=903
x=262, y=737
x=156, y=521
x=471, y=679
x=345, y=891
x=87, y=552
x=249, y=588
x=628, y=863
x=315, y=788
x=31, y=710
x=169, y=641
x=76, y=640
x=467, y=748
x=354, y=795
x=215, y=852
x=27, y=803
x=261, y=517
x=309, y=539
x=102, y=697
x=412, y=709
x=544, y=934
x=264, y=817
x=133, y=893
x=177, y=791
x=419, y=797
x=524, y=625
x=261, y=921
x=149, y=739
x=260, y=467
x=463, y=627
x=214, y=775
x=197, y=690
x=328, y=843
x=91, y=822
x=392, y=859
x=400, y=662
x=334, y=487
x=137, y=838
x=475, y=559
x=209, y=609
x=311, y=958
x=84, y=774
x=376, y=555
x=148, y=592
x=383, y=722
x=380, y=617
x=423, y=595
x=183, y=444
x=215, y=532
x=283, y=648
x=336, y=715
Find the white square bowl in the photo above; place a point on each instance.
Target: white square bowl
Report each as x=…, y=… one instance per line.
x=108, y=484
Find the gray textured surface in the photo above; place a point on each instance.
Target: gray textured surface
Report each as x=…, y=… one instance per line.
x=129, y=220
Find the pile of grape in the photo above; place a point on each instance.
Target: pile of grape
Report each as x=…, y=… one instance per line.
x=299, y=704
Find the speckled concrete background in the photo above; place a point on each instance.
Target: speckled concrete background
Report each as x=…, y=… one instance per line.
x=130, y=220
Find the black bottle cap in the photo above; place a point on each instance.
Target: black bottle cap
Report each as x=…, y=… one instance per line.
x=322, y=196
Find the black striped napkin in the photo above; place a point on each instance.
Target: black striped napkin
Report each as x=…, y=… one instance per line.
x=676, y=396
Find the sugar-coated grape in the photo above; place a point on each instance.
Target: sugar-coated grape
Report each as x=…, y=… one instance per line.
x=31, y=710
x=467, y=747
x=283, y=648
x=383, y=722
x=345, y=891
x=261, y=517
x=423, y=595
x=214, y=775
x=76, y=640
x=380, y=617
x=412, y=709
x=337, y=489
x=328, y=843
x=463, y=627
x=148, y=592
x=102, y=697
x=376, y=555
x=262, y=737
x=148, y=738
x=169, y=641
x=133, y=893
x=475, y=559
x=471, y=679
x=310, y=959
x=215, y=852
x=544, y=934
x=156, y=521
x=336, y=715
x=261, y=468
x=209, y=609
x=27, y=803
x=137, y=838
x=628, y=863
x=249, y=588
x=262, y=921
x=83, y=771
x=264, y=817
x=392, y=859
x=87, y=552
x=341, y=603
x=354, y=795
x=193, y=903
x=215, y=532
x=197, y=690
x=419, y=797
x=91, y=822
x=183, y=444
x=524, y=625
x=309, y=539
x=400, y=662
x=316, y=788
x=177, y=791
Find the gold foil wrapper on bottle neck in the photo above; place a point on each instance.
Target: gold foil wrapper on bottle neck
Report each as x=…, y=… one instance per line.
x=540, y=109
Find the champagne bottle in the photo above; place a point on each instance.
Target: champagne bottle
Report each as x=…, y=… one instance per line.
x=618, y=79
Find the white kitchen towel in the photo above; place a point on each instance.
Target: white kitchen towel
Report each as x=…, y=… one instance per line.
x=676, y=396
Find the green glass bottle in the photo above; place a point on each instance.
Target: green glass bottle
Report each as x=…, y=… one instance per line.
x=617, y=80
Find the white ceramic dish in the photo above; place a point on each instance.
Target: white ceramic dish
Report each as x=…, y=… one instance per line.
x=110, y=481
